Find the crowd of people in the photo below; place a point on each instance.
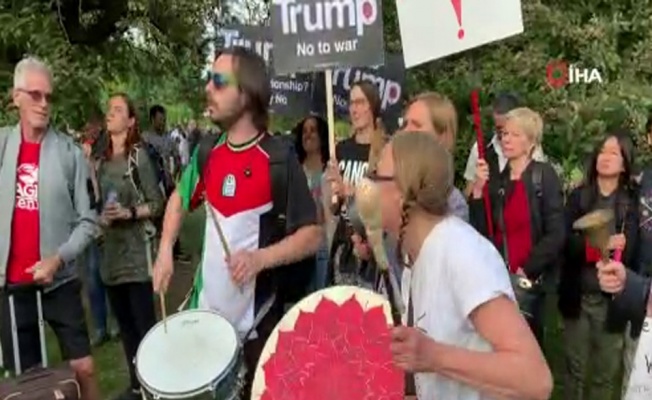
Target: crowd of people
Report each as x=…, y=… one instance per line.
x=474, y=278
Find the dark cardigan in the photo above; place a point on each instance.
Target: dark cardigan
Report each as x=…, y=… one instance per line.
x=570, y=280
x=546, y=212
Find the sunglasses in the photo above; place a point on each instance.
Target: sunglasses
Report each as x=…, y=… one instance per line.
x=220, y=80
x=37, y=96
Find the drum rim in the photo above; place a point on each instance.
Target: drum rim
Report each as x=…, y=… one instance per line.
x=202, y=389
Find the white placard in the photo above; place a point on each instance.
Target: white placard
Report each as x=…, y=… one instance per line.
x=430, y=28
x=639, y=386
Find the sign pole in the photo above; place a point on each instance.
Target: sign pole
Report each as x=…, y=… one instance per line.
x=330, y=118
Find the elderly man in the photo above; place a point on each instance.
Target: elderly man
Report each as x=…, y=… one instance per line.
x=46, y=221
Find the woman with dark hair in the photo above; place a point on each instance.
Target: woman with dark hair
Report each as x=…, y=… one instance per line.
x=355, y=157
x=131, y=198
x=311, y=145
x=593, y=329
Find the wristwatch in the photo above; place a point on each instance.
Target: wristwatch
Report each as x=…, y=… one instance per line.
x=134, y=215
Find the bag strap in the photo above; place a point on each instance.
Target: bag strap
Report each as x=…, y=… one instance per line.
x=206, y=144
x=537, y=184
x=134, y=174
x=501, y=223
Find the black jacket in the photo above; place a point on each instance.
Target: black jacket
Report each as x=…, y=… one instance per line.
x=546, y=205
x=632, y=301
x=570, y=282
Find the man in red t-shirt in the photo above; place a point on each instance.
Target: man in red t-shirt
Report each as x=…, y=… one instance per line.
x=50, y=222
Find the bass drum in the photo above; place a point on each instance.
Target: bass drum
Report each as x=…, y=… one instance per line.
x=333, y=344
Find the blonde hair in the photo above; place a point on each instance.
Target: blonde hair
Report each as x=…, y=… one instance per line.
x=443, y=115
x=531, y=123
x=424, y=173
x=378, y=140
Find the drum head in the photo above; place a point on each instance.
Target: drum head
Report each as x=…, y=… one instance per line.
x=334, y=344
x=198, y=348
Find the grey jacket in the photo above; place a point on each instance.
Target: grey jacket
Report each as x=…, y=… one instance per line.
x=67, y=222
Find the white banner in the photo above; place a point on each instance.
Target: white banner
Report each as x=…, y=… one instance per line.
x=639, y=386
x=433, y=29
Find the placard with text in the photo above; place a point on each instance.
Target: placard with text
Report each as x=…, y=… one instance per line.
x=291, y=94
x=389, y=79
x=314, y=35
x=639, y=386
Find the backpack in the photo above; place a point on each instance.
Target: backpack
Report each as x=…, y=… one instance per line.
x=163, y=176
x=292, y=280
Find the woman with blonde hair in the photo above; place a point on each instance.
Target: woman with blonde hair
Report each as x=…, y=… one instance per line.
x=434, y=113
x=464, y=338
x=527, y=212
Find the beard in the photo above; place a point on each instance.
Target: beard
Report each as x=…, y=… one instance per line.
x=226, y=118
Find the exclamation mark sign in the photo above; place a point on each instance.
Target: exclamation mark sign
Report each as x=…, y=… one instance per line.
x=457, y=6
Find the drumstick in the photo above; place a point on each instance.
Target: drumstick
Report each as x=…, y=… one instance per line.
x=161, y=298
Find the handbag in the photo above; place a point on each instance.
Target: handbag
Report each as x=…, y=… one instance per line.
x=528, y=293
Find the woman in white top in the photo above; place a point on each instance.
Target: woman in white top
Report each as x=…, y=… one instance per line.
x=469, y=341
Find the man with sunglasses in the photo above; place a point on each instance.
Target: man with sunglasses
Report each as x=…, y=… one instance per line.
x=236, y=178
x=47, y=222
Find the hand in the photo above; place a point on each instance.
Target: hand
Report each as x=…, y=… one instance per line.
x=245, y=265
x=411, y=349
x=44, y=270
x=617, y=242
x=162, y=270
x=115, y=211
x=361, y=248
x=481, y=176
x=611, y=276
x=334, y=178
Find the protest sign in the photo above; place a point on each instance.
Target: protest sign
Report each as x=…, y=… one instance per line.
x=389, y=79
x=312, y=35
x=291, y=94
x=639, y=386
x=433, y=29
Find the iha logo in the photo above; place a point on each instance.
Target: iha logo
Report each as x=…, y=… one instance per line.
x=326, y=15
x=560, y=73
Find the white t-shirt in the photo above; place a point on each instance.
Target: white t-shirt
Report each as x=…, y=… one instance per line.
x=456, y=271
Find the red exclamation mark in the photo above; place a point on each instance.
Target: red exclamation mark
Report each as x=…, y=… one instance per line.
x=457, y=6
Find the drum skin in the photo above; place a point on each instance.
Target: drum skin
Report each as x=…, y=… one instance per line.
x=195, y=352
x=334, y=344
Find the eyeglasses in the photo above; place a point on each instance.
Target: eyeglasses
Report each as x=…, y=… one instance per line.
x=220, y=80
x=37, y=96
x=374, y=177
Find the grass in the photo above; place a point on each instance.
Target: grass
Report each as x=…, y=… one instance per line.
x=109, y=359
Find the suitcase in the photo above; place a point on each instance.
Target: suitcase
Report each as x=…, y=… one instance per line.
x=41, y=382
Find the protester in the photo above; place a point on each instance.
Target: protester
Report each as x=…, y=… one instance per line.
x=158, y=137
x=527, y=212
x=311, y=145
x=47, y=222
x=502, y=104
x=355, y=157
x=239, y=193
x=131, y=198
x=644, y=258
x=593, y=328
x=94, y=284
x=631, y=291
x=464, y=338
x=435, y=113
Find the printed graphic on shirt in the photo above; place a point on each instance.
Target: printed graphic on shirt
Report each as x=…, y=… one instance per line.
x=353, y=170
x=237, y=188
x=27, y=187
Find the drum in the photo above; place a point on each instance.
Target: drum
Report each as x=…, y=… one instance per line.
x=333, y=344
x=196, y=355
